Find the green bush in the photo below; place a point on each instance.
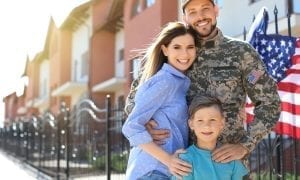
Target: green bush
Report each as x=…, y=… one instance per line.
x=266, y=176
x=119, y=163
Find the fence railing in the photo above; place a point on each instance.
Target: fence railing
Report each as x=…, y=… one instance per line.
x=86, y=141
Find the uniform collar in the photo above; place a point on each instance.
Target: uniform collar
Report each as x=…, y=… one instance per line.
x=213, y=41
x=167, y=67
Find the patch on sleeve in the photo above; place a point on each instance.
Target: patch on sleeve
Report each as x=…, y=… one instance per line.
x=254, y=76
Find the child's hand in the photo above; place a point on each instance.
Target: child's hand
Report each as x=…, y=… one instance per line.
x=178, y=167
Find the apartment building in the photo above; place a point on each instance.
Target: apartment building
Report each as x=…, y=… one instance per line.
x=93, y=52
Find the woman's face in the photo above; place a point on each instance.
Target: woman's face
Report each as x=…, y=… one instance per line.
x=181, y=52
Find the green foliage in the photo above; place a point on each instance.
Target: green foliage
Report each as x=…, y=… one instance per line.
x=119, y=163
x=267, y=176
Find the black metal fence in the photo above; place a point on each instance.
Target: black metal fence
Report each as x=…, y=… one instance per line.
x=86, y=141
x=277, y=156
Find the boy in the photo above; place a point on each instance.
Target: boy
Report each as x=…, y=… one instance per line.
x=206, y=122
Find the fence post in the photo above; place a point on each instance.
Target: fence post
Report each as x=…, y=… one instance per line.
x=245, y=33
x=58, y=132
x=66, y=116
x=108, y=145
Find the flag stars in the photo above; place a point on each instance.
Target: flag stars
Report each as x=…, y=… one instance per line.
x=276, y=52
x=263, y=41
x=269, y=48
x=273, y=42
x=281, y=63
x=282, y=43
x=287, y=50
x=273, y=61
x=290, y=44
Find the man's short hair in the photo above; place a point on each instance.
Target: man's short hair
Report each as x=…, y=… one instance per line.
x=185, y=3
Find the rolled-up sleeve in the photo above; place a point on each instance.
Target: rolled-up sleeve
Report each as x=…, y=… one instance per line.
x=149, y=98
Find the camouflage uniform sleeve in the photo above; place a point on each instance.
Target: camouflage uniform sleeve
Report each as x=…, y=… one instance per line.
x=130, y=98
x=262, y=90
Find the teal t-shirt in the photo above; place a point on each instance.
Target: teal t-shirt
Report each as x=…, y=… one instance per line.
x=203, y=167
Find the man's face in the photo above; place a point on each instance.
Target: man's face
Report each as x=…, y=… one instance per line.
x=202, y=16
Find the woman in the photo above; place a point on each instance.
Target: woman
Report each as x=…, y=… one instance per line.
x=161, y=95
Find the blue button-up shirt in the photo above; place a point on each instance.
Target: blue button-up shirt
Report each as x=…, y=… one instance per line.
x=162, y=98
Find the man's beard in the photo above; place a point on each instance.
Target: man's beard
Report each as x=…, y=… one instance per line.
x=213, y=28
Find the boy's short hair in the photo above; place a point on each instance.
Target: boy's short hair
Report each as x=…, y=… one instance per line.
x=202, y=101
x=185, y=3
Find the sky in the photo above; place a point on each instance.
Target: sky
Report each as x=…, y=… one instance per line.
x=24, y=24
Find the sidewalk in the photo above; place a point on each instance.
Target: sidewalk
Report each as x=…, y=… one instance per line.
x=113, y=177
x=14, y=169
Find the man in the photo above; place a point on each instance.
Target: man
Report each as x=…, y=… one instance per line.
x=230, y=70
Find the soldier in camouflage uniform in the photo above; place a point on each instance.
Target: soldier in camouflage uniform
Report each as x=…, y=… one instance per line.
x=228, y=69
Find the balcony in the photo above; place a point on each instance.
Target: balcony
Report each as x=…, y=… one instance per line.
x=112, y=85
x=70, y=88
x=41, y=102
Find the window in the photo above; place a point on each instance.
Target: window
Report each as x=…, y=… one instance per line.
x=296, y=9
x=75, y=70
x=136, y=63
x=150, y=2
x=140, y=5
x=121, y=54
x=84, y=64
x=119, y=113
x=44, y=79
x=44, y=88
x=136, y=8
x=121, y=102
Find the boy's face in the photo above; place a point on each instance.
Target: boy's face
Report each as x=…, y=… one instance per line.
x=207, y=124
x=202, y=16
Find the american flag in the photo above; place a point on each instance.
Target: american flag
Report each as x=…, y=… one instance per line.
x=281, y=56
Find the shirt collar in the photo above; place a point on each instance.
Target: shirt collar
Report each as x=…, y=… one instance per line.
x=201, y=151
x=212, y=42
x=167, y=67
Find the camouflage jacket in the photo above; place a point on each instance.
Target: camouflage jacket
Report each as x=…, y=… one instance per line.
x=231, y=69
